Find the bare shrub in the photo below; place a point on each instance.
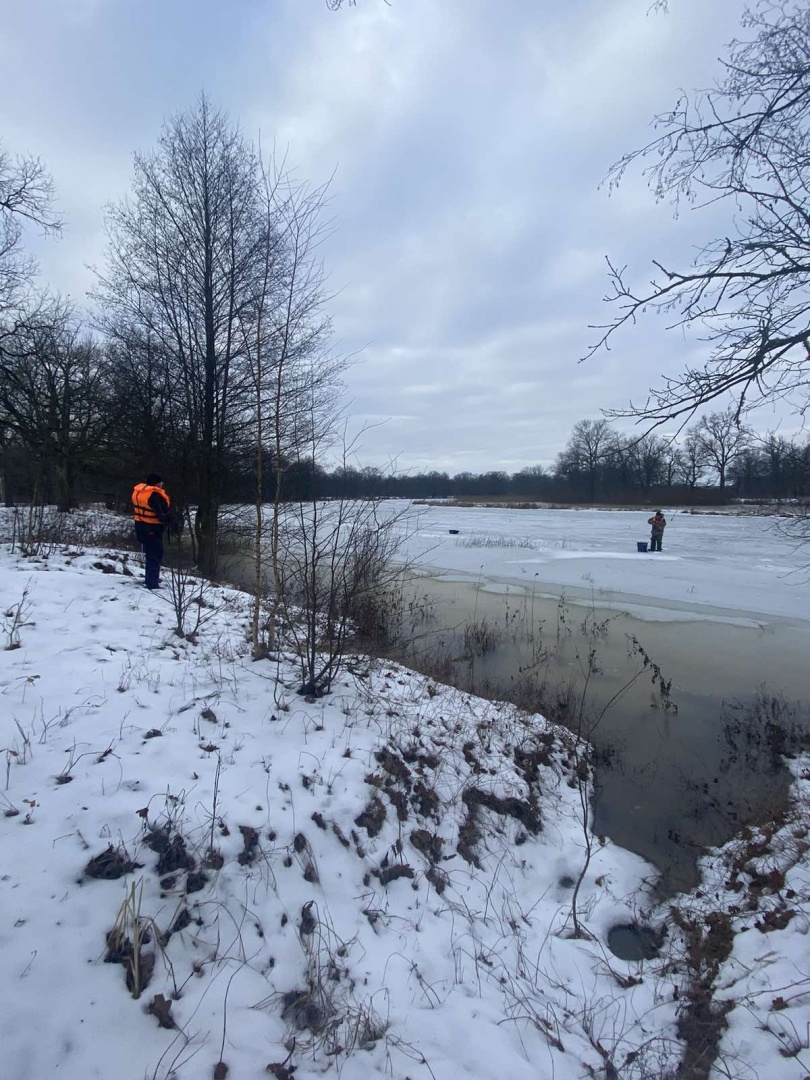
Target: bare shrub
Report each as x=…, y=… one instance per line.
x=190, y=595
x=480, y=638
x=127, y=940
x=14, y=618
x=335, y=558
x=323, y=1015
x=485, y=541
x=764, y=732
x=26, y=529
x=37, y=530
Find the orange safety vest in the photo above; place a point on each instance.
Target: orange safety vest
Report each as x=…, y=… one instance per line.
x=140, y=503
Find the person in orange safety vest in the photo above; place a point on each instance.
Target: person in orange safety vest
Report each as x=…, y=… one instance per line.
x=152, y=509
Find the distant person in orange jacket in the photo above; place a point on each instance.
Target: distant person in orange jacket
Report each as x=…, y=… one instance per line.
x=659, y=523
x=152, y=509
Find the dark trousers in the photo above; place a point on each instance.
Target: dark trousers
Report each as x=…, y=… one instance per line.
x=655, y=540
x=150, y=537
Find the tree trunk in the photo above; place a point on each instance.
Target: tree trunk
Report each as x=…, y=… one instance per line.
x=65, y=485
x=6, y=490
x=205, y=530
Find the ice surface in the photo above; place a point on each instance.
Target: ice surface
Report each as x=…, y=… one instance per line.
x=730, y=563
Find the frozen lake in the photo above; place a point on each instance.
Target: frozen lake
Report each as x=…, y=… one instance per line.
x=712, y=566
x=723, y=610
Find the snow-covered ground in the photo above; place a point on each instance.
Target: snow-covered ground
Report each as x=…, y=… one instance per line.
x=732, y=564
x=378, y=882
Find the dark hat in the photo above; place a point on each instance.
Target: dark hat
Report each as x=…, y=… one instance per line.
x=154, y=478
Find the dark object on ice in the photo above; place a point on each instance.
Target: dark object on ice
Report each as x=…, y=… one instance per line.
x=633, y=941
x=641, y=545
x=453, y=532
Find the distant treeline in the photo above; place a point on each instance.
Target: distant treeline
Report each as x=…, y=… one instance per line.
x=714, y=462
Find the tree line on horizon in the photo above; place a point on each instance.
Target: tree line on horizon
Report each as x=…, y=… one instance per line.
x=716, y=460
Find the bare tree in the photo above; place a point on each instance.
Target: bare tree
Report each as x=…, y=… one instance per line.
x=722, y=439
x=26, y=195
x=692, y=460
x=295, y=379
x=648, y=456
x=746, y=470
x=742, y=143
x=336, y=559
x=672, y=464
x=149, y=409
x=778, y=455
x=184, y=264
x=587, y=450
x=54, y=397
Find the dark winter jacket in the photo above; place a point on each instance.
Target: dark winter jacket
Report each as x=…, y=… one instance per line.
x=659, y=523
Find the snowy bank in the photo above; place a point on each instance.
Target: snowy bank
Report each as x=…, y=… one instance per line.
x=379, y=881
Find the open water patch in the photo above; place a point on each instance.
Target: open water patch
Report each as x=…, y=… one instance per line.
x=675, y=774
x=635, y=941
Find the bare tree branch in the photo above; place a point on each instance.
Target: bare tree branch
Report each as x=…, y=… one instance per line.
x=746, y=142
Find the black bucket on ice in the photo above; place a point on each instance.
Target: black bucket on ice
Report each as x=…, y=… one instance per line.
x=641, y=545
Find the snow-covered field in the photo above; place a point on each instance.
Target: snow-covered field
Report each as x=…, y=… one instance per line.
x=376, y=883
x=729, y=563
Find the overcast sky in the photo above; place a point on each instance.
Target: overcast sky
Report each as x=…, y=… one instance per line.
x=468, y=139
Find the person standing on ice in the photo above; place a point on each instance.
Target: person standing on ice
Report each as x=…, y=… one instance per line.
x=659, y=523
x=152, y=509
